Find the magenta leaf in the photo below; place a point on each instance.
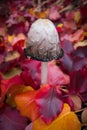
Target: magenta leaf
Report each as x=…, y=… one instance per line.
x=67, y=46
x=74, y=60
x=31, y=68
x=49, y=102
x=78, y=83
x=10, y=119
x=27, y=79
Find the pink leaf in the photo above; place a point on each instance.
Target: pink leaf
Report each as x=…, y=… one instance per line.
x=56, y=76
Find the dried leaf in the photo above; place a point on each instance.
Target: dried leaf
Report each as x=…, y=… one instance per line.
x=84, y=116
x=77, y=16
x=13, y=72
x=80, y=44
x=76, y=101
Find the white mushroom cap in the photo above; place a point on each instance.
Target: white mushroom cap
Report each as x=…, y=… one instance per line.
x=43, y=41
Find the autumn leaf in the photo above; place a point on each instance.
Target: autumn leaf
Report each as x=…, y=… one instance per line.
x=67, y=120
x=56, y=76
x=50, y=97
x=6, y=84
x=35, y=100
x=26, y=104
x=13, y=72
x=15, y=90
x=54, y=13
x=84, y=117
x=76, y=102
x=10, y=119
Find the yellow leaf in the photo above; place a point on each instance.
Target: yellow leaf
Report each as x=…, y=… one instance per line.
x=10, y=38
x=13, y=72
x=80, y=44
x=67, y=120
x=77, y=16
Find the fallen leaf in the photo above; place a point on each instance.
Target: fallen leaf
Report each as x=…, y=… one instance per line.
x=56, y=75
x=6, y=84
x=77, y=16
x=53, y=13
x=12, y=55
x=50, y=97
x=76, y=101
x=10, y=119
x=11, y=73
x=26, y=104
x=67, y=120
x=84, y=117
x=80, y=44
x=15, y=90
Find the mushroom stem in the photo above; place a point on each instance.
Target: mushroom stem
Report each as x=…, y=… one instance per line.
x=44, y=73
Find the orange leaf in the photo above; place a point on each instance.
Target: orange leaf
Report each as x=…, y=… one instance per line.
x=26, y=104
x=67, y=120
x=15, y=90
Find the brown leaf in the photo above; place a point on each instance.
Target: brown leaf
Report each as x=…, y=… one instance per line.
x=76, y=101
x=13, y=72
x=84, y=116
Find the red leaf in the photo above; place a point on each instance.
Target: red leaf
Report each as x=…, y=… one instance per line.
x=10, y=119
x=78, y=83
x=31, y=69
x=56, y=76
x=6, y=84
x=27, y=79
x=49, y=102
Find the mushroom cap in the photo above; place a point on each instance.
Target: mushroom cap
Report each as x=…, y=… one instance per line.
x=43, y=41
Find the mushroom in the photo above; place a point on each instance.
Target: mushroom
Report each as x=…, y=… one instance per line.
x=43, y=44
